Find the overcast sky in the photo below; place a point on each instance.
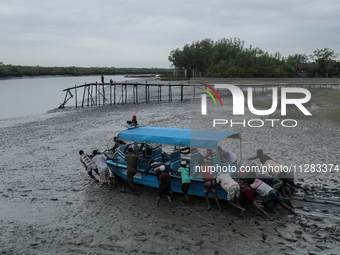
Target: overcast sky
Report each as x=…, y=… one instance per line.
x=137, y=33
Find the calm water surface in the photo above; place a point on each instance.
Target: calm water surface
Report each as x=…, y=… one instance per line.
x=31, y=96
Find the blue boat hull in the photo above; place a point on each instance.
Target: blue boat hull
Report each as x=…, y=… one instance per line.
x=150, y=180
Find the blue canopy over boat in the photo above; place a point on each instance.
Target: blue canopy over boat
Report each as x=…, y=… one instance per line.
x=176, y=136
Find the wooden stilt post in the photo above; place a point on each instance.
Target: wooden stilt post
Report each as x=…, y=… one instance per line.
x=170, y=93
x=88, y=94
x=114, y=93
x=194, y=92
x=125, y=93
x=98, y=91
x=111, y=92
x=122, y=94
x=66, y=95
x=149, y=94
x=104, y=98
x=160, y=93
x=136, y=93
x=96, y=95
x=75, y=94
x=82, y=103
x=181, y=92
x=91, y=95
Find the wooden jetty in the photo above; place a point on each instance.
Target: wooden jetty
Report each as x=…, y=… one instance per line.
x=97, y=94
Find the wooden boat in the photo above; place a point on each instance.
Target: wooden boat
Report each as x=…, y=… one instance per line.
x=151, y=142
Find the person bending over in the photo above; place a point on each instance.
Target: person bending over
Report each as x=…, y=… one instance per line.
x=88, y=164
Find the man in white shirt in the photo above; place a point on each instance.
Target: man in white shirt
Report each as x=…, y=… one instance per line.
x=227, y=155
x=232, y=188
x=103, y=169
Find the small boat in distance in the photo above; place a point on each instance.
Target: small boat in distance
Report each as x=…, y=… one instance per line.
x=140, y=75
x=151, y=142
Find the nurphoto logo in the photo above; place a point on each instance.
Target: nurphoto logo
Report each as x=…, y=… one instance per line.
x=238, y=104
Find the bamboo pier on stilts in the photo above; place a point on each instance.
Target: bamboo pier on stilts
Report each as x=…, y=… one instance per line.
x=115, y=93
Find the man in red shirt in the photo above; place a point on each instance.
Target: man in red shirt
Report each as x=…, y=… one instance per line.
x=248, y=194
x=164, y=188
x=209, y=182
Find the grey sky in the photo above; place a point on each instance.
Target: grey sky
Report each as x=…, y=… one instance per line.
x=133, y=33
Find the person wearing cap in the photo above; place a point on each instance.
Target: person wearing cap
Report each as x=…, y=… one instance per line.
x=164, y=181
x=131, y=162
x=155, y=166
x=88, y=164
x=209, y=182
x=118, y=143
x=184, y=172
x=103, y=169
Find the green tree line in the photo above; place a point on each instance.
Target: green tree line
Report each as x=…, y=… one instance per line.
x=18, y=70
x=230, y=58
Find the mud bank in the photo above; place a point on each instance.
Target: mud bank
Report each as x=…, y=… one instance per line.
x=48, y=205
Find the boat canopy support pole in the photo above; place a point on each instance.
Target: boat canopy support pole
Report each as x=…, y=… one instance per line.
x=241, y=146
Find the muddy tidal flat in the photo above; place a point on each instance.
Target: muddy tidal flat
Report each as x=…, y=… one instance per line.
x=49, y=205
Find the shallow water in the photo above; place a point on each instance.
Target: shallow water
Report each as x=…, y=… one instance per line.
x=37, y=95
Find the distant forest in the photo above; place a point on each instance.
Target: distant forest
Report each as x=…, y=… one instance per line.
x=230, y=58
x=223, y=58
x=18, y=71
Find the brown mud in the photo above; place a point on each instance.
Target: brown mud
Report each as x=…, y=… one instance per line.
x=48, y=204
